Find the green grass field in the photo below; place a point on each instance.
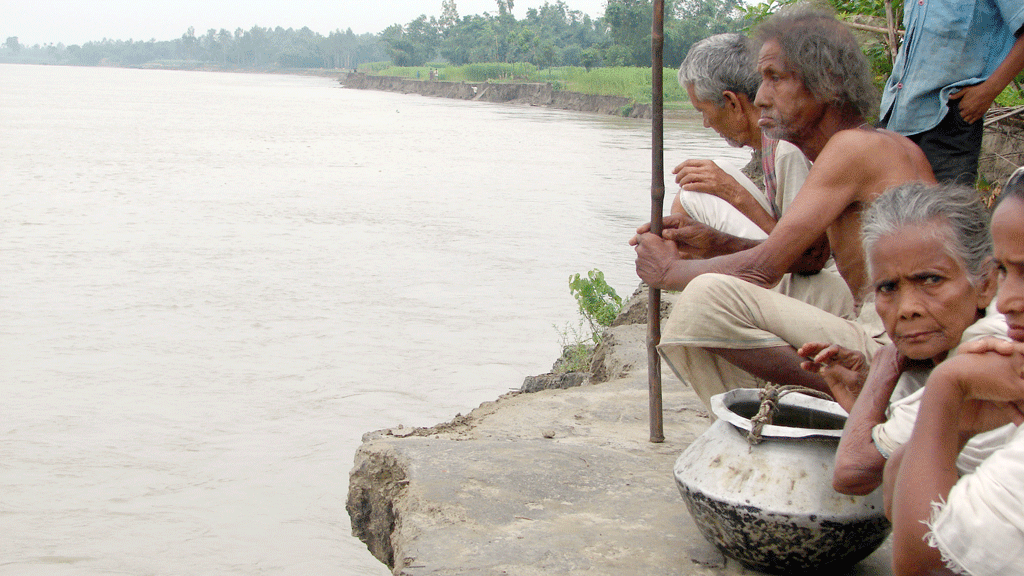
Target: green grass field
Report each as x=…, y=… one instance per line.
x=630, y=82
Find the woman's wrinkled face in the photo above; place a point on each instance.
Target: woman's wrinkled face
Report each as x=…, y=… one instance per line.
x=1008, y=244
x=922, y=293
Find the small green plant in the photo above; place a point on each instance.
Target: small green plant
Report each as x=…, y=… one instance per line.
x=598, y=302
x=576, y=350
x=599, y=305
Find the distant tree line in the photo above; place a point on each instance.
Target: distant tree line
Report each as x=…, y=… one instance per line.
x=552, y=35
x=256, y=48
x=556, y=35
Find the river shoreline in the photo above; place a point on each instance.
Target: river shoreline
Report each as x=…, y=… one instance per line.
x=532, y=94
x=556, y=482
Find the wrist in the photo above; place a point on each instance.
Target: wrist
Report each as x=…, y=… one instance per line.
x=990, y=89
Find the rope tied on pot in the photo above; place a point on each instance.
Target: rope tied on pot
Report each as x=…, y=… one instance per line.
x=771, y=395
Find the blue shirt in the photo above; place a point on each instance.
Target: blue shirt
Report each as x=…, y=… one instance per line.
x=949, y=45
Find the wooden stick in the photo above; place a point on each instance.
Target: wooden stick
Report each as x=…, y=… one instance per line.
x=996, y=116
x=890, y=24
x=657, y=205
x=869, y=28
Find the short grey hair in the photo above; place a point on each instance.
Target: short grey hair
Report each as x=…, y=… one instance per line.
x=824, y=54
x=719, y=63
x=958, y=210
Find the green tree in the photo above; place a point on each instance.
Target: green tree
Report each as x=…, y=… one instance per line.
x=190, y=45
x=399, y=48
x=694, y=20
x=449, y=16
x=545, y=54
x=12, y=44
x=629, y=24
x=590, y=58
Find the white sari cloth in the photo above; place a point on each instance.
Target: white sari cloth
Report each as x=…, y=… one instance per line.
x=906, y=400
x=979, y=529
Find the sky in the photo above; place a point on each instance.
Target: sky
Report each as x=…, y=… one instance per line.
x=79, y=21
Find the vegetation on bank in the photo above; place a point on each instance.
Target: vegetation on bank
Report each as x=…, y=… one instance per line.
x=256, y=49
x=599, y=305
x=607, y=54
x=563, y=47
x=553, y=35
x=630, y=82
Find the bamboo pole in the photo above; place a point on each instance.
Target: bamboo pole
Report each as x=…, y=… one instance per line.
x=657, y=205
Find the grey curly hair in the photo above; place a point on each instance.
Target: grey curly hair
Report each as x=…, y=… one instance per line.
x=826, y=56
x=966, y=219
x=719, y=63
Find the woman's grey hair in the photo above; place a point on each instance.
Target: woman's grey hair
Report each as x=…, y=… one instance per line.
x=719, y=63
x=825, y=55
x=965, y=233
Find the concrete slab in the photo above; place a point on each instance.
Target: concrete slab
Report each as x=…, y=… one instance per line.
x=554, y=482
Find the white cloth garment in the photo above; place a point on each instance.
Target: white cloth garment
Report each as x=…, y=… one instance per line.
x=791, y=168
x=979, y=529
x=716, y=213
x=906, y=400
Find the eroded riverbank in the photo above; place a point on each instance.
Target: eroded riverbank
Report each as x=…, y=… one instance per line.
x=534, y=94
x=550, y=483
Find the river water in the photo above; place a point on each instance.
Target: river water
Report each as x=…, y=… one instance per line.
x=214, y=284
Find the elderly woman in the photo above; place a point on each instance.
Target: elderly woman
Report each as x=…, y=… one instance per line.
x=944, y=523
x=928, y=252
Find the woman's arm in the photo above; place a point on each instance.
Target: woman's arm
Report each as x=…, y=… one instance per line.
x=925, y=474
x=859, y=464
x=965, y=395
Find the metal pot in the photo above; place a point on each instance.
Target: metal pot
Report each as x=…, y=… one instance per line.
x=771, y=505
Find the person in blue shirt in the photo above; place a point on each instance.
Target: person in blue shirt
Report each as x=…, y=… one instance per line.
x=956, y=57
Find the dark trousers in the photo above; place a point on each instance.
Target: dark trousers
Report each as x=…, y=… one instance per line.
x=953, y=147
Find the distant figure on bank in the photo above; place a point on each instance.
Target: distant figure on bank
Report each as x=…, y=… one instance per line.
x=944, y=523
x=956, y=57
x=728, y=329
x=720, y=76
x=929, y=258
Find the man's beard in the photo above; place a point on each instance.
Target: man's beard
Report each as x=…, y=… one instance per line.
x=776, y=130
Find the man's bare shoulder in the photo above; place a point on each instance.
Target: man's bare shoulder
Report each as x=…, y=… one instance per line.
x=876, y=154
x=868, y=140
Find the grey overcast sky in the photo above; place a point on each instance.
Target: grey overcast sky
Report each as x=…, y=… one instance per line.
x=80, y=21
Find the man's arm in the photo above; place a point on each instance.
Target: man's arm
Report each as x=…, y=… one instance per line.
x=831, y=187
x=976, y=100
x=695, y=240
x=698, y=240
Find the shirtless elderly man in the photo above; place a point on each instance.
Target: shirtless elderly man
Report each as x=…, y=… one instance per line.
x=728, y=330
x=721, y=79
